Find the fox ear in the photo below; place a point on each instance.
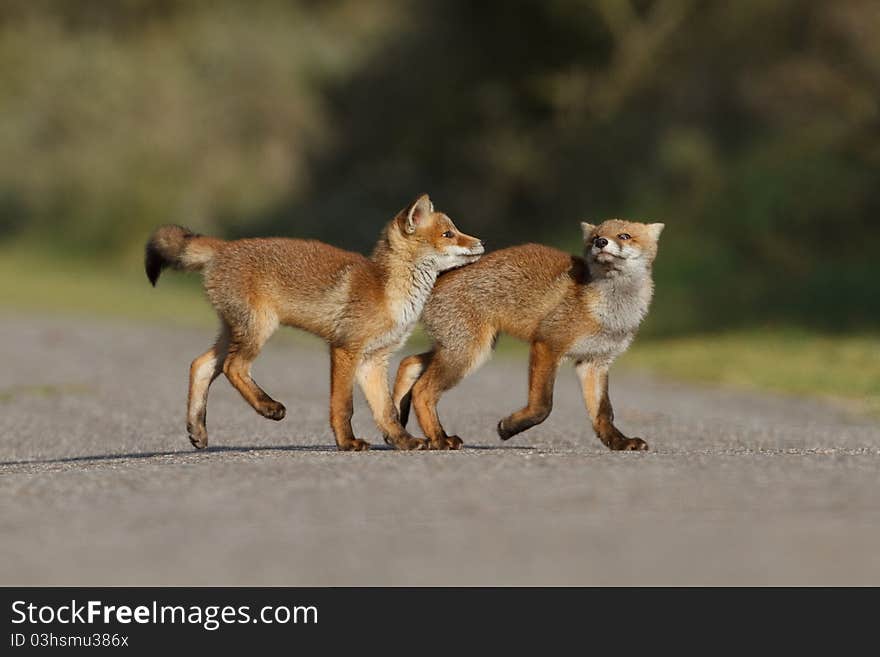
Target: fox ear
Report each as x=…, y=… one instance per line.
x=654, y=230
x=416, y=213
x=587, y=229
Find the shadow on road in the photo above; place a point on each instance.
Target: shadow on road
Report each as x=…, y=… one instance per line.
x=179, y=452
x=240, y=449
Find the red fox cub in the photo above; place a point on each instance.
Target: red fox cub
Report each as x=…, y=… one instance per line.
x=586, y=309
x=365, y=308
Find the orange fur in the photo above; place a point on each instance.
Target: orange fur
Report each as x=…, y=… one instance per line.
x=364, y=308
x=587, y=309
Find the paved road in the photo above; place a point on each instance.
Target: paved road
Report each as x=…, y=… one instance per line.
x=98, y=484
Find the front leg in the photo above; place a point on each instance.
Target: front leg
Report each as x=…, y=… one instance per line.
x=372, y=375
x=343, y=365
x=594, y=383
x=543, y=364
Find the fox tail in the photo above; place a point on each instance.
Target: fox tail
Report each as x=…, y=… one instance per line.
x=179, y=248
x=410, y=370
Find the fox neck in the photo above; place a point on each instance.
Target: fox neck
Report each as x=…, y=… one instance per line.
x=623, y=299
x=408, y=280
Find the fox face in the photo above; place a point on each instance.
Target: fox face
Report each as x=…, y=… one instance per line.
x=434, y=237
x=618, y=247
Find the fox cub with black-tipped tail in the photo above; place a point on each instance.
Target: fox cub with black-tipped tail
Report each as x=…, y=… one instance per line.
x=365, y=308
x=586, y=309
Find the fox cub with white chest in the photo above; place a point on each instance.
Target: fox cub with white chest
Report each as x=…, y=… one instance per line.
x=586, y=309
x=365, y=308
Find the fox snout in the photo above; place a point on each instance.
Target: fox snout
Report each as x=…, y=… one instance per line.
x=468, y=246
x=457, y=250
x=474, y=244
x=606, y=250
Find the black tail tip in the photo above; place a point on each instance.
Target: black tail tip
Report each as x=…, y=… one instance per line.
x=154, y=263
x=405, y=405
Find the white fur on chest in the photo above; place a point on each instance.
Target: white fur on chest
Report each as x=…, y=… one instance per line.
x=406, y=308
x=618, y=309
x=393, y=338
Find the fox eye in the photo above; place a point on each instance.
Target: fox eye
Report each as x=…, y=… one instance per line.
x=449, y=234
x=624, y=236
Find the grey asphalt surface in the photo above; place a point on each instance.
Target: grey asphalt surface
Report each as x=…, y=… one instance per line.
x=99, y=485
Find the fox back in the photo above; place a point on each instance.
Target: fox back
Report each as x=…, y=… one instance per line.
x=534, y=291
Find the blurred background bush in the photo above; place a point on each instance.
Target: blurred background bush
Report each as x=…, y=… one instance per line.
x=752, y=128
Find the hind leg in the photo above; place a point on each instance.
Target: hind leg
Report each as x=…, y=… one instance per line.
x=440, y=375
x=543, y=364
x=446, y=368
x=244, y=347
x=202, y=373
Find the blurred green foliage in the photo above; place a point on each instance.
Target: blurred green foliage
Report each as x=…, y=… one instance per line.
x=121, y=115
x=751, y=128
x=839, y=369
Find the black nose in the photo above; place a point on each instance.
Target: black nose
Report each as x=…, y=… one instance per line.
x=481, y=243
x=601, y=242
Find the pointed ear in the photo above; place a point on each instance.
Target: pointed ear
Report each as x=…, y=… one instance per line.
x=416, y=213
x=654, y=230
x=587, y=229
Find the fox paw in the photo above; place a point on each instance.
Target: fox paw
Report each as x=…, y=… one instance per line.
x=273, y=411
x=629, y=445
x=449, y=442
x=198, y=436
x=505, y=432
x=407, y=443
x=354, y=445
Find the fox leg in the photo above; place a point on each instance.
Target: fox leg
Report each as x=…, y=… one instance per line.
x=372, y=375
x=543, y=364
x=411, y=368
x=343, y=368
x=244, y=348
x=440, y=375
x=445, y=368
x=594, y=383
x=202, y=373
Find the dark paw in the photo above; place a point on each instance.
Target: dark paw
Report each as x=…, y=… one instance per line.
x=198, y=436
x=446, y=443
x=504, y=431
x=354, y=445
x=407, y=443
x=274, y=411
x=629, y=445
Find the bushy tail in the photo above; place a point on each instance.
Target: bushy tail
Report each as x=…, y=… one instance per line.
x=408, y=373
x=179, y=248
